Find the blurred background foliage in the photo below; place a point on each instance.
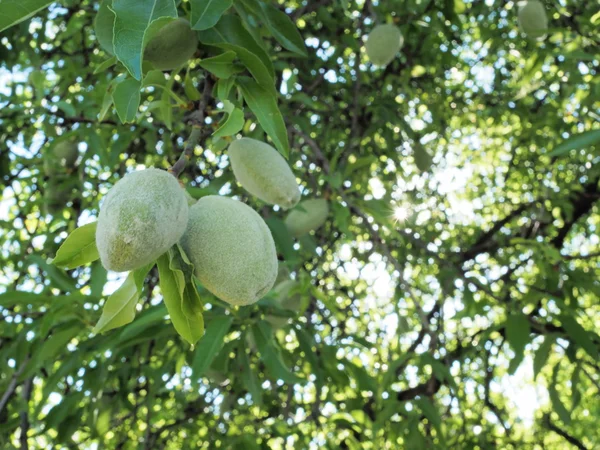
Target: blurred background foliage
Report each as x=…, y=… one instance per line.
x=450, y=301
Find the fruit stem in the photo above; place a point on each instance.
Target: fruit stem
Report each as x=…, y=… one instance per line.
x=196, y=119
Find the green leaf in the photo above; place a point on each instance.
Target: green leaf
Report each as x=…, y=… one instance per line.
x=67, y=108
x=104, y=24
x=249, y=375
x=107, y=102
x=517, y=335
x=14, y=11
x=51, y=347
x=557, y=404
x=430, y=411
x=135, y=21
x=190, y=90
x=234, y=123
x=210, y=344
x=60, y=277
x=154, y=78
x=126, y=98
x=105, y=65
x=390, y=375
x=180, y=298
x=37, y=78
x=270, y=355
x=579, y=335
x=440, y=370
x=166, y=109
x=283, y=29
x=224, y=87
x=147, y=319
x=119, y=309
x=576, y=142
x=263, y=104
x=206, y=13
x=230, y=34
x=79, y=248
x=282, y=238
x=221, y=65
x=541, y=355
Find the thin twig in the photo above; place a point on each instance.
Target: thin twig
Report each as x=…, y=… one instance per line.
x=197, y=121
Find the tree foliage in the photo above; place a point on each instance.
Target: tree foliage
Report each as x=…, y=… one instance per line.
x=453, y=287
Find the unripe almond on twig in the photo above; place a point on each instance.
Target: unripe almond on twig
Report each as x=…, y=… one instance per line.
x=383, y=43
x=263, y=172
x=231, y=248
x=142, y=216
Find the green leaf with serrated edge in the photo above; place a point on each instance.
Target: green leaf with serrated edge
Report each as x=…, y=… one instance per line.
x=104, y=24
x=206, y=13
x=517, y=335
x=229, y=34
x=234, y=123
x=579, y=335
x=221, y=65
x=541, y=355
x=248, y=375
x=577, y=142
x=135, y=22
x=211, y=344
x=270, y=355
x=14, y=11
x=173, y=287
x=79, y=248
x=105, y=65
x=126, y=98
x=263, y=104
x=119, y=308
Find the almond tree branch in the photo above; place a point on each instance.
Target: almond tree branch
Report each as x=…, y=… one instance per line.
x=196, y=119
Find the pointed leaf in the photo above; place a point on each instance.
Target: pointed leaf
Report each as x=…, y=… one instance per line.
x=119, y=309
x=232, y=125
x=104, y=24
x=557, y=404
x=206, y=13
x=517, y=335
x=126, y=98
x=79, y=248
x=249, y=376
x=211, y=344
x=263, y=104
x=134, y=23
x=187, y=320
x=270, y=355
x=283, y=29
x=14, y=11
x=579, y=335
x=541, y=355
x=230, y=34
x=221, y=65
x=576, y=142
